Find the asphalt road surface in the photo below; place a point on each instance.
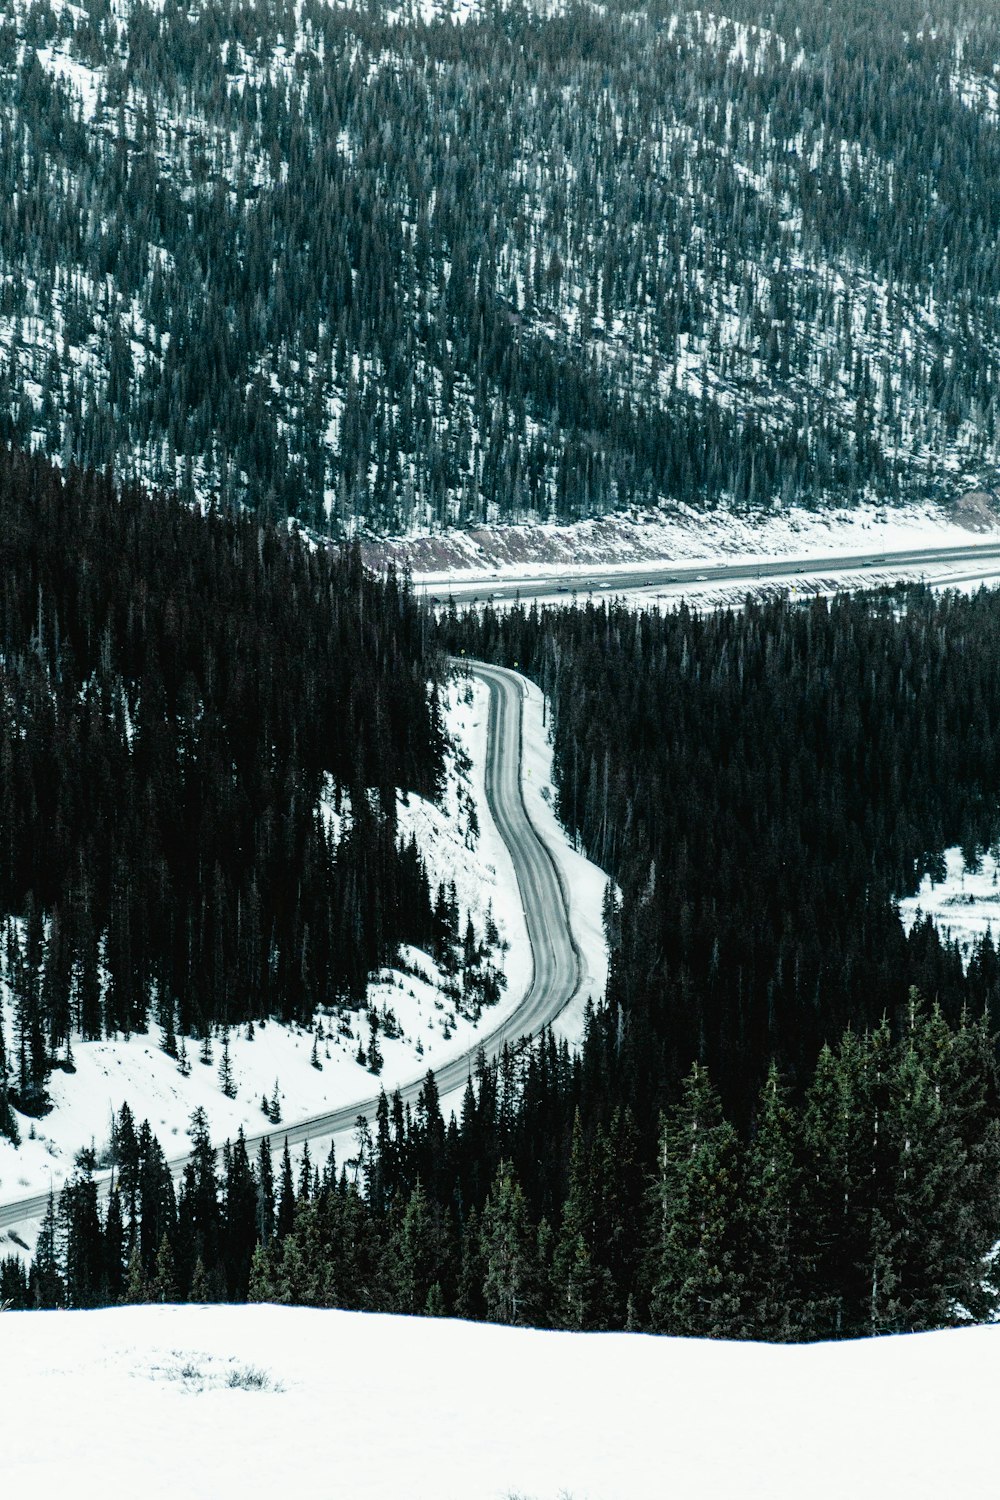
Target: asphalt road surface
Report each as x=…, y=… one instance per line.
x=617, y=581
x=558, y=966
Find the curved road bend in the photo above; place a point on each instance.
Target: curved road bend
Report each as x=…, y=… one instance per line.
x=558, y=966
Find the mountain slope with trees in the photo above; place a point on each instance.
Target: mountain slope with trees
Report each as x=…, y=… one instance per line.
x=767, y=1132
x=182, y=694
x=421, y=268
x=764, y=784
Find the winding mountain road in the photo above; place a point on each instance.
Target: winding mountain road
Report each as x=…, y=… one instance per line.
x=557, y=962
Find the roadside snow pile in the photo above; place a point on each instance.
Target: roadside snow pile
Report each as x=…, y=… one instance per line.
x=217, y=1401
x=583, y=882
x=680, y=533
x=964, y=903
x=460, y=845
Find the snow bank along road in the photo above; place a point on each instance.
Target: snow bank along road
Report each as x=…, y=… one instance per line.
x=557, y=962
x=618, y=579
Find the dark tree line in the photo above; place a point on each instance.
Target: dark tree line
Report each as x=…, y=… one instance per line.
x=339, y=261
x=181, y=694
x=871, y=1205
x=764, y=784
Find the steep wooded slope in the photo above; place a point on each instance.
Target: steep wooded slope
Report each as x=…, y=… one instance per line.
x=422, y=267
x=186, y=704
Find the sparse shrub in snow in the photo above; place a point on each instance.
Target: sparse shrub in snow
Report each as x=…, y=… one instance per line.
x=250, y=1378
x=375, y=1059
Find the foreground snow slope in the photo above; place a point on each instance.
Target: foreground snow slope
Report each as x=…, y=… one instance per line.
x=261, y=1401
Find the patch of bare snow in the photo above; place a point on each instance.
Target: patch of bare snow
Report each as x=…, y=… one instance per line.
x=85, y=83
x=965, y=905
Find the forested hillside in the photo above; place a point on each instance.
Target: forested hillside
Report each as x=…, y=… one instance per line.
x=764, y=784
x=783, y=1122
x=204, y=723
x=422, y=266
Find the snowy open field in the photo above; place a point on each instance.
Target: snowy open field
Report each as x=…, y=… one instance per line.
x=965, y=905
x=137, y=1071
x=352, y=1406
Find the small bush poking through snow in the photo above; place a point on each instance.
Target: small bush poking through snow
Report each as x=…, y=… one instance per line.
x=250, y=1378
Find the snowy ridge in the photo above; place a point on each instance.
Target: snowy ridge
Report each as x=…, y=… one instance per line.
x=634, y=539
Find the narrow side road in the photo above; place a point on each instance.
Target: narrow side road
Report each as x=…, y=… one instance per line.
x=558, y=965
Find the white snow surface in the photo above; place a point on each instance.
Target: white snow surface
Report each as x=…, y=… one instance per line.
x=965, y=905
x=84, y=83
x=351, y=1406
x=631, y=541
x=137, y=1071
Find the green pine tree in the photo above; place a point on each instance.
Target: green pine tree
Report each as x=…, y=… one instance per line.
x=136, y=1286
x=286, y=1195
x=509, y=1252
x=581, y=1290
x=773, y=1195
x=164, y=1283
x=698, y=1245
x=47, y=1289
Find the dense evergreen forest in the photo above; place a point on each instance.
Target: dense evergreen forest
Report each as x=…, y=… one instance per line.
x=378, y=268
x=784, y=1121
x=422, y=267
x=763, y=784
x=186, y=698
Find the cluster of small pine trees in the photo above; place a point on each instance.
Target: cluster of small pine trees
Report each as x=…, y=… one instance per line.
x=868, y=1204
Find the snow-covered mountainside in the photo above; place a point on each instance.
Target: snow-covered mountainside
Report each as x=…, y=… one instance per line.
x=263, y=1401
x=426, y=1015
x=426, y=263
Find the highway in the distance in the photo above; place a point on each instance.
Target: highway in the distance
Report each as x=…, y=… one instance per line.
x=616, y=580
x=557, y=961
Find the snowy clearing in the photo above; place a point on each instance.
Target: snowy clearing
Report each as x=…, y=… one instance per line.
x=965, y=904
x=543, y=1416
